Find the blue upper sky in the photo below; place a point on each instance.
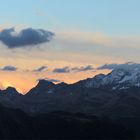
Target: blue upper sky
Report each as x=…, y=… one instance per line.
x=110, y=16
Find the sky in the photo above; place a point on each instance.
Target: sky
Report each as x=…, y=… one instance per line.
x=65, y=40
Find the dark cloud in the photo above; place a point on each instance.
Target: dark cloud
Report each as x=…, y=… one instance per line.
x=26, y=37
x=73, y=69
x=50, y=80
x=129, y=65
x=40, y=69
x=9, y=68
x=62, y=70
x=82, y=69
x=53, y=80
x=108, y=66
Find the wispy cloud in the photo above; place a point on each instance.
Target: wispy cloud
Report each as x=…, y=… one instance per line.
x=53, y=80
x=129, y=65
x=50, y=80
x=81, y=37
x=9, y=68
x=83, y=68
x=68, y=69
x=40, y=69
x=40, y=13
x=98, y=39
x=108, y=66
x=62, y=70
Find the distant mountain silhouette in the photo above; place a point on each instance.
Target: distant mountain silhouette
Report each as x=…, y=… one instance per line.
x=11, y=91
x=42, y=87
x=115, y=96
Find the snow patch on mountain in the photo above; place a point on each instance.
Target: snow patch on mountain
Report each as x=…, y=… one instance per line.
x=122, y=78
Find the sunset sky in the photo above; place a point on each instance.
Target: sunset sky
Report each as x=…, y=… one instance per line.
x=65, y=40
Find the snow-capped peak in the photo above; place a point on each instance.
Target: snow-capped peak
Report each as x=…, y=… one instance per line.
x=121, y=78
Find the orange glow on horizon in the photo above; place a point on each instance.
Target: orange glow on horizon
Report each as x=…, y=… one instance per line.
x=7, y=84
x=23, y=82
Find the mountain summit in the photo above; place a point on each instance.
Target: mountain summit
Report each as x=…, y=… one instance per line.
x=42, y=87
x=118, y=79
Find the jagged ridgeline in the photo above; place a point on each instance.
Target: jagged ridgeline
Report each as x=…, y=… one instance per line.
x=100, y=95
x=113, y=98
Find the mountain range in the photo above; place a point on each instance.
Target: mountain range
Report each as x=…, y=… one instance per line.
x=115, y=96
